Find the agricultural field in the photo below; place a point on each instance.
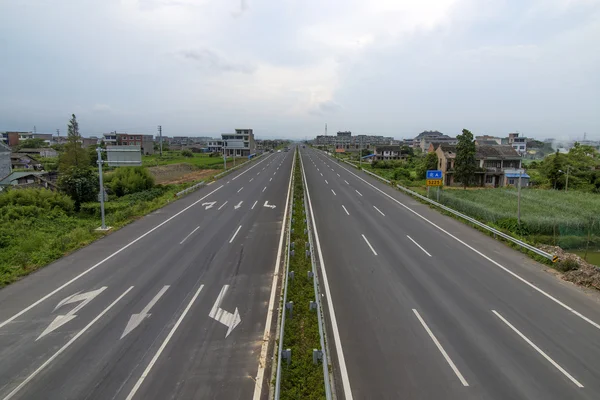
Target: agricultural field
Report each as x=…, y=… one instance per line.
x=552, y=217
x=199, y=160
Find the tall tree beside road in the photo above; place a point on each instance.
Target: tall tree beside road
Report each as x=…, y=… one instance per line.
x=465, y=164
x=74, y=155
x=429, y=162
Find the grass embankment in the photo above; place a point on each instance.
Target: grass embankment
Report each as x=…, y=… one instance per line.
x=199, y=160
x=38, y=226
x=301, y=379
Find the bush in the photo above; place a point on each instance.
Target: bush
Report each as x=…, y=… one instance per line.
x=401, y=173
x=43, y=199
x=128, y=180
x=187, y=153
x=81, y=184
x=567, y=265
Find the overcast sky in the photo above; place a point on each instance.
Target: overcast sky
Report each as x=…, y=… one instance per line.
x=285, y=68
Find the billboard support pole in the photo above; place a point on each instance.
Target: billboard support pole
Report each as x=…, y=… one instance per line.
x=99, y=151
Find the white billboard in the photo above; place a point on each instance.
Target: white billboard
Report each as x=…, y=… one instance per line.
x=235, y=144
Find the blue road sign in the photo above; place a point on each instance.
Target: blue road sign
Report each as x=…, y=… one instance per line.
x=434, y=174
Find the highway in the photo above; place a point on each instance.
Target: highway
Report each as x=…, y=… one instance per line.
x=179, y=304
x=421, y=306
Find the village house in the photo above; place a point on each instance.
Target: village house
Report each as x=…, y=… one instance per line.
x=496, y=165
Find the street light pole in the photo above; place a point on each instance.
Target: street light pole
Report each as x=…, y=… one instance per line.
x=360, y=152
x=99, y=151
x=567, y=183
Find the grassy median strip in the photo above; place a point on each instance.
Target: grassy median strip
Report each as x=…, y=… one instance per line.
x=301, y=379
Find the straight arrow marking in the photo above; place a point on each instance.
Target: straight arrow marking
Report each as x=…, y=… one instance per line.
x=238, y=205
x=137, y=319
x=230, y=320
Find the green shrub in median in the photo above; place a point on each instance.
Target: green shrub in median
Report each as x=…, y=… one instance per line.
x=301, y=379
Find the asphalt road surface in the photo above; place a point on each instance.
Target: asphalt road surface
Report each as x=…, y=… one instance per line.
x=174, y=305
x=420, y=306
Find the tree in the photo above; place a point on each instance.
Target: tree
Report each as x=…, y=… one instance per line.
x=74, y=155
x=128, y=180
x=81, y=184
x=429, y=162
x=30, y=144
x=187, y=153
x=407, y=150
x=465, y=164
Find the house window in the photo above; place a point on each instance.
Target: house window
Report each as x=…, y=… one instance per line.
x=125, y=143
x=511, y=181
x=489, y=179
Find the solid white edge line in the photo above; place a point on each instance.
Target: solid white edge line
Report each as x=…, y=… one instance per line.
x=441, y=349
x=64, y=285
x=334, y=326
x=531, y=285
x=371, y=247
x=62, y=349
x=191, y=233
x=258, y=381
x=345, y=209
x=235, y=234
x=252, y=208
x=163, y=345
x=418, y=245
x=529, y=342
x=333, y=192
x=380, y=212
x=222, y=205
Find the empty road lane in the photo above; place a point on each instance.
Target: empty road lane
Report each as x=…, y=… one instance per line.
x=172, y=306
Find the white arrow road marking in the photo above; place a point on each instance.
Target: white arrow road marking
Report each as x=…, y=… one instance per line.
x=222, y=205
x=209, y=204
x=272, y=206
x=62, y=349
x=137, y=319
x=230, y=320
x=238, y=205
x=60, y=320
x=163, y=345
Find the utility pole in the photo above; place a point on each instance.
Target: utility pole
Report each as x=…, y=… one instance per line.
x=99, y=151
x=360, y=152
x=519, y=200
x=34, y=129
x=160, y=138
x=567, y=183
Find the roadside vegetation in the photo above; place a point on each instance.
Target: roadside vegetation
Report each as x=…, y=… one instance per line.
x=301, y=379
x=39, y=226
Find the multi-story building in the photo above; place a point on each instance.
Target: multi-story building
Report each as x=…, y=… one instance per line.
x=11, y=138
x=215, y=146
x=146, y=142
x=5, y=164
x=241, y=143
x=110, y=139
x=518, y=143
x=498, y=165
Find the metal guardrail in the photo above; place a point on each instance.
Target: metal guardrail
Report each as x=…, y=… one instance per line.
x=377, y=176
x=220, y=174
x=190, y=189
x=321, y=317
x=503, y=235
x=496, y=232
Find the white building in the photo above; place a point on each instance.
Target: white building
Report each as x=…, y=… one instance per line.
x=241, y=143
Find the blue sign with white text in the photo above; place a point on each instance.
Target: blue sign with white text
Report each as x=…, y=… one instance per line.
x=434, y=174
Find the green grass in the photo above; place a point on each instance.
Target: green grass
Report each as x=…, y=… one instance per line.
x=301, y=379
x=35, y=231
x=200, y=160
